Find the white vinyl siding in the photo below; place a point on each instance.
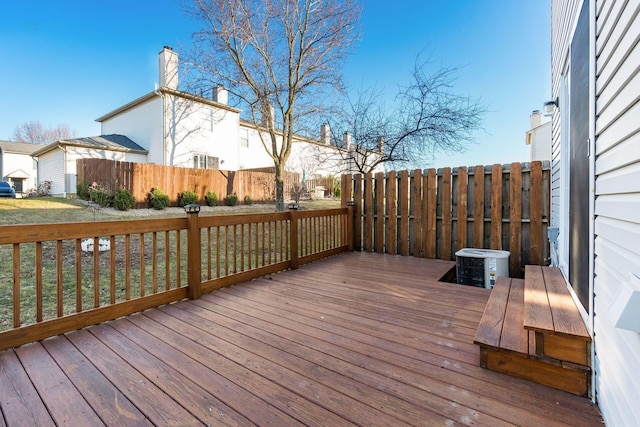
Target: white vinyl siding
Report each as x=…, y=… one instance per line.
x=617, y=221
x=143, y=125
x=195, y=128
x=51, y=168
x=24, y=162
x=617, y=189
x=564, y=15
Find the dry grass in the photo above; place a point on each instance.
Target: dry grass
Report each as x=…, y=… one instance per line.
x=47, y=210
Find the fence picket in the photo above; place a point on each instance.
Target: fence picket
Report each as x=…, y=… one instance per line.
x=403, y=197
x=515, y=217
x=379, y=212
x=496, y=207
x=462, y=208
x=392, y=236
x=140, y=178
x=368, y=212
x=446, y=214
x=421, y=211
x=416, y=198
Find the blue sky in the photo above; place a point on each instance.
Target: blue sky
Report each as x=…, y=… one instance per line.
x=70, y=61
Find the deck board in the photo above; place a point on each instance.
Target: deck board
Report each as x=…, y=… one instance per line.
x=356, y=339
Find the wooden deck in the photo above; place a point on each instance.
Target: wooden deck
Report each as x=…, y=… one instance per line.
x=357, y=339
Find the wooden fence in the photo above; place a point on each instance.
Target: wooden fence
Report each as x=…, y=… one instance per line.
x=55, y=284
x=434, y=213
x=140, y=178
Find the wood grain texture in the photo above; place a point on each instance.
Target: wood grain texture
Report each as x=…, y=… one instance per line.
x=446, y=214
x=490, y=328
x=496, y=207
x=358, y=338
x=514, y=337
x=380, y=219
x=537, y=314
x=571, y=381
x=566, y=318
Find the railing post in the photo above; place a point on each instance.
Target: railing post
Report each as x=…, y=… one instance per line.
x=293, y=235
x=194, y=255
x=350, y=225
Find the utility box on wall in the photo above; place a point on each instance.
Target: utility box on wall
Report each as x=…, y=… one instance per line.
x=481, y=267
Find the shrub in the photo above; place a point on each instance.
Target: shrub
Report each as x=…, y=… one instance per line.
x=82, y=190
x=231, y=199
x=123, y=200
x=100, y=195
x=44, y=189
x=211, y=198
x=248, y=200
x=188, y=197
x=158, y=199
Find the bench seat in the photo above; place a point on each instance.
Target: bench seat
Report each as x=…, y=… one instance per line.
x=530, y=329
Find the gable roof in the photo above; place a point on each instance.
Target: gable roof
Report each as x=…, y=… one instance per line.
x=165, y=91
x=112, y=142
x=19, y=147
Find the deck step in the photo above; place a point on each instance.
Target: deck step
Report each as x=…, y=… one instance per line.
x=552, y=315
x=546, y=356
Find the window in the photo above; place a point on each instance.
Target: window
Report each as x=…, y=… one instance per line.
x=200, y=161
x=244, y=138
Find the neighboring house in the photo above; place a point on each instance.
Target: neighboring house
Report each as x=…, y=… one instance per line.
x=182, y=129
x=57, y=161
x=17, y=166
x=596, y=186
x=538, y=138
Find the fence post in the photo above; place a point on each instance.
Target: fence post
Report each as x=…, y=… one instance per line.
x=351, y=218
x=194, y=255
x=293, y=235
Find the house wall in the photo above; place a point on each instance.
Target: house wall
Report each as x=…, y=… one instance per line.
x=142, y=124
x=617, y=190
x=24, y=162
x=197, y=128
x=59, y=166
x=255, y=156
x=51, y=168
x=617, y=220
x=316, y=159
x=564, y=15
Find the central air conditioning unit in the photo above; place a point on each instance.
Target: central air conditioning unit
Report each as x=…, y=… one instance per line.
x=481, y=267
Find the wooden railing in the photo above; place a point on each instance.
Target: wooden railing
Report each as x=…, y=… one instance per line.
x=52, y=284
x=434, y=213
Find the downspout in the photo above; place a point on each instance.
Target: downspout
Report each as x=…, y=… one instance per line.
x=64, y=171
x=592, y=185
x=157, y=91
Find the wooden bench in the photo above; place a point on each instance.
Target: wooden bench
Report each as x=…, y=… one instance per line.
x=532, y=333
x=552, y=315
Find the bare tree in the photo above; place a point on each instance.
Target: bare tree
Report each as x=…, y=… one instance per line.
x=427, y=117
x=277, y=57
x=34, y=133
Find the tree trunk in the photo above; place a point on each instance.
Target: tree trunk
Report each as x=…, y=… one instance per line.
x=279, y=187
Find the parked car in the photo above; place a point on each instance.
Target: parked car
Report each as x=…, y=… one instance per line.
x=6, y=190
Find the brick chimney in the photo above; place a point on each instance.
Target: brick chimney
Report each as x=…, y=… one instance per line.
x=168, y=68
